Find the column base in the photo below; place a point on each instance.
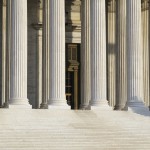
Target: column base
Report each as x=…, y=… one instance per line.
x=85, y=107
x=136, y=106
x=121, y=108
x=100, y=105
x=6, y=105
x=59, y=107
x=19, y=104
x=58, y=104
x=44, y=106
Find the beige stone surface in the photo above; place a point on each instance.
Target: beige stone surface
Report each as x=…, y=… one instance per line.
x=73, y=130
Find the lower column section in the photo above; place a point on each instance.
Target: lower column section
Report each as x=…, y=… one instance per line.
x=57, y=54
x=135, y=56
x=18, y=55
x=98, y=55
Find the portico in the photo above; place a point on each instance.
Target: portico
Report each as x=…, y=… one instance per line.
x=74, y=54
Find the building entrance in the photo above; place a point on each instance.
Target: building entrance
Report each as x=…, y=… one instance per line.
x=73, y=75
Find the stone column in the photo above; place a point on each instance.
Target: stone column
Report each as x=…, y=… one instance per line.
x=18, y=55
x=46, y=55
x=8, y=47
x=98, y=54
x=85, y=55
x=57, y=54
x=146, y=46
x=121, y=60
x=135, y=55
x=111, y=52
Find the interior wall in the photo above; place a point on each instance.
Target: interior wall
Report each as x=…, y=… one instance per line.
x=32, y=52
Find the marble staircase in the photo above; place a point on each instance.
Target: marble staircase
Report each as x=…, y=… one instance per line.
x=73, y=130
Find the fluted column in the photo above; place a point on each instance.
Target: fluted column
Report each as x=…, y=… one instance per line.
x=18, y=55
x=135, y=55
x=111, y=52
x=85, y=55
x=121, y=60
x=46, y=59
x=145, y=41
x=98, y=54
x=57, y=54
x=8, y=47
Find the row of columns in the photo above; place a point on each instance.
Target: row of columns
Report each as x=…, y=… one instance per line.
x=94, y=90
x=129, y=84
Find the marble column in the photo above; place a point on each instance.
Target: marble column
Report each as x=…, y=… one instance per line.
x=46, y=55
x=98, y=55
x=85, y=55
x=18, y=55
x=111, y=52
x=146, y=46
x=57, y=54
x=134, y=55
x=121, y=60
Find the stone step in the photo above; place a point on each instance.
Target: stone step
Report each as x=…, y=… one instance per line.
x=73, y=130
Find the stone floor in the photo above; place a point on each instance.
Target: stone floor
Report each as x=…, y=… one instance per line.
x=74, y=130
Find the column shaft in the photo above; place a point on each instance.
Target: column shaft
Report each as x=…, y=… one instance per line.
x=85, y=55
x=121, y=60
x=57, y=53
x=98, y=53
x=18, y=54
x=8, y=46
x=135, y=54
x=146, y=40
x=46, y=55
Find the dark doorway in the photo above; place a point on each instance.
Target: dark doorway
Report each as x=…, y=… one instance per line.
x=73, y=75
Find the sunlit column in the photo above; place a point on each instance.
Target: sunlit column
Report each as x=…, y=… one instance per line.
x=98, y=54
x=18, y=55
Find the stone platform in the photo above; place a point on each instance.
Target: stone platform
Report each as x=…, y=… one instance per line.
x=73, y=130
